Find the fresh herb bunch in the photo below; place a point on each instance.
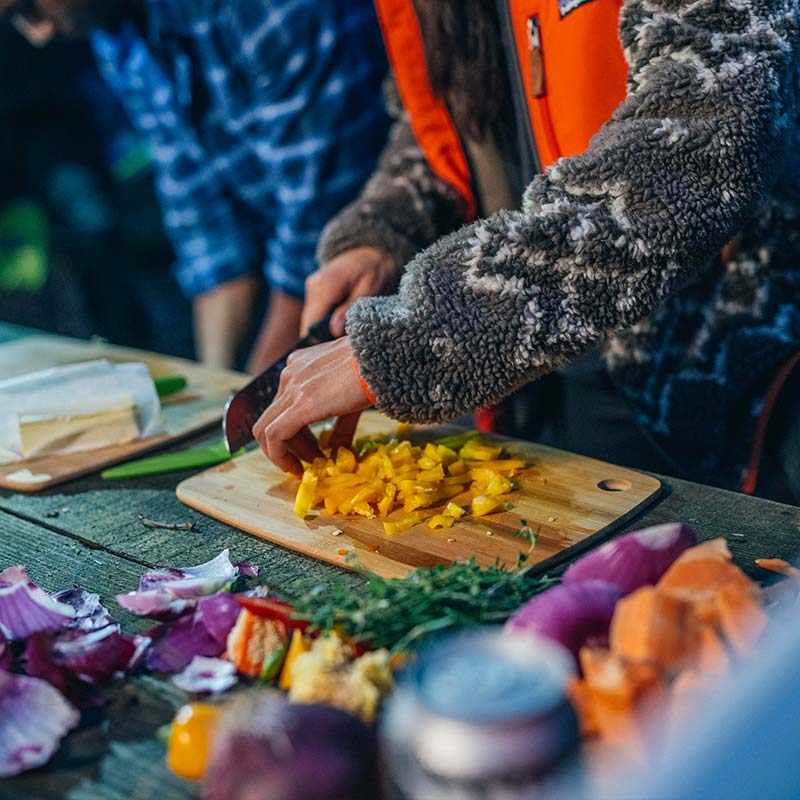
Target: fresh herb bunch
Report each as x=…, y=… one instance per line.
x=398, y=613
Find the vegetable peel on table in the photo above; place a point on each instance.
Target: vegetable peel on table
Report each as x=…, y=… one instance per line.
x=207, y=676
x=201, y=630
x=33, y=719
x=168, y=590
x=26, y=609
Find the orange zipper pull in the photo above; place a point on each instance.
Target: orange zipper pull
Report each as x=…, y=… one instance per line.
x=538, y=86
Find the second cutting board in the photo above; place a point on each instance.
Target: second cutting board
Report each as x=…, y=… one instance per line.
x=566, y=497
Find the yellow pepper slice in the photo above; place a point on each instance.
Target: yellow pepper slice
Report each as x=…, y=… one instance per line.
x=189, y=740
x=440, y=521
x=480, y=450
x=299, y=644
x=498, y=485
x=501, y=465
x=482, y=505
x=454, y=511
x=402, y=524
x=306, y=492
x=458, y=467
x=345, y=460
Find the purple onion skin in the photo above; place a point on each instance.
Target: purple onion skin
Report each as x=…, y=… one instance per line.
x=286, y=751
x=572, y=614
x=634, y=560
x=5, y=653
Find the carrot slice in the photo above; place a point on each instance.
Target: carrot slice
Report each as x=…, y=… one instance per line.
x=780, y=566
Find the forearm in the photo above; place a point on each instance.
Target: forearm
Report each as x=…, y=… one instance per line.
x=221, y=320
x=602, y=238
x=279, y=331
x=404, y=207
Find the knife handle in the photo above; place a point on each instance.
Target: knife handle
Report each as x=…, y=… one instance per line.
x=320, y=331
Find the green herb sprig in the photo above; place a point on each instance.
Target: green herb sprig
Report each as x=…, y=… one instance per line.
x=399, y=613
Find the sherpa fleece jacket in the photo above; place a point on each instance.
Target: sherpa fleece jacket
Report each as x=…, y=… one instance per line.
x=613, y=248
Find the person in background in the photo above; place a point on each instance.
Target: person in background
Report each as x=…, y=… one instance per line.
x=633, y=170
x=263, y=117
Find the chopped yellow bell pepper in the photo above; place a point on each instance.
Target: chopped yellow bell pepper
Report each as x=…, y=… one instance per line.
x=502, y=465
x=345, y=460
x=189, y=741
x=402, y=524
x=299, y=644
x=480, y=450
x=381, y=475
x=458, y=467
x=434, y=474
x=440, y=521
x=498, y=485
x=455, y=511
x=482, y=505
x=306, y=492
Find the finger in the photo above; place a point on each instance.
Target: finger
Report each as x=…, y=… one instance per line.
x=277, y=445
x=322, y=294
x=339, y=319
x=344, y=430
x=305, y=446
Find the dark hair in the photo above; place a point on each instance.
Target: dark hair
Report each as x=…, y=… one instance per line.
x=464, y=58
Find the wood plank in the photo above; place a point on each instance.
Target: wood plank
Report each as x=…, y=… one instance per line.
x=565, y=497
x=110, y=518
x=198, y=407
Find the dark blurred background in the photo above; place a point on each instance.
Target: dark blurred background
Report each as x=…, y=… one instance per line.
x=82, y=250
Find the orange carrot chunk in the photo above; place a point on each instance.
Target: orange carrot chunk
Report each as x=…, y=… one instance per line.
x=650, y=626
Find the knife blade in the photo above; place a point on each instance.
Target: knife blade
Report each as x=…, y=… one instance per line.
x=245, y=407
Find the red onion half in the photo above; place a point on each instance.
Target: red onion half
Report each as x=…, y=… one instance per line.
x=634, y=560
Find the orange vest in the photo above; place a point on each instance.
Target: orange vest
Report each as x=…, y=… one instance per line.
x=567, y=60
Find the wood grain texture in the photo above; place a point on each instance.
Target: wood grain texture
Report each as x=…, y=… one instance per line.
x=199, y=406
x=561, y=497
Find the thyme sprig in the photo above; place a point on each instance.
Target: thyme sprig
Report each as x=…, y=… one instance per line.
x=399, y=613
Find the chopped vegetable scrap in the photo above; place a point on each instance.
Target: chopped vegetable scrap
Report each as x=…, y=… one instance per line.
x=404, y=484
x=33, y=719
x=167, y=591
x=666, y=640
x=330, y=673
x=200, y=630
x=26, y=609
x=206, y=676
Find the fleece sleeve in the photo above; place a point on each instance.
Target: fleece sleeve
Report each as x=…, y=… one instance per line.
x=602, y=238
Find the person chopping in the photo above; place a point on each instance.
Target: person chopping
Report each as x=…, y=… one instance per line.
x=263, y=119
x=628, y=173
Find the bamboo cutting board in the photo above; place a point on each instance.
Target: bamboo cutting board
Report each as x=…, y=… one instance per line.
x=198, y=406
x=567, y=497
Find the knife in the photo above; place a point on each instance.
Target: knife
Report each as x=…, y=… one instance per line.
x=247, y=405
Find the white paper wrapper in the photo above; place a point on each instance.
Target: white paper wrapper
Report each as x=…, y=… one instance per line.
x=72, y=392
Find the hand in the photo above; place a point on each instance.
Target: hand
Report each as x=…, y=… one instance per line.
x=361, y=272
x=318, y=383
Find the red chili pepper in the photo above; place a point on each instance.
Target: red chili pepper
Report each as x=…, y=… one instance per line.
x=272, y=609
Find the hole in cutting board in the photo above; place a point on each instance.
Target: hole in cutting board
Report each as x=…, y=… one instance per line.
x=614, y=485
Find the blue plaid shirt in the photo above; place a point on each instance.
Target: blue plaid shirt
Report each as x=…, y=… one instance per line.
x=263, y=118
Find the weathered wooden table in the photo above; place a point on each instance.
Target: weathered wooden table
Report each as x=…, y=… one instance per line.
x=89, y=533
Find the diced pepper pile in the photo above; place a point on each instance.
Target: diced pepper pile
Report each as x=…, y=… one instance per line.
x=404, y=484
